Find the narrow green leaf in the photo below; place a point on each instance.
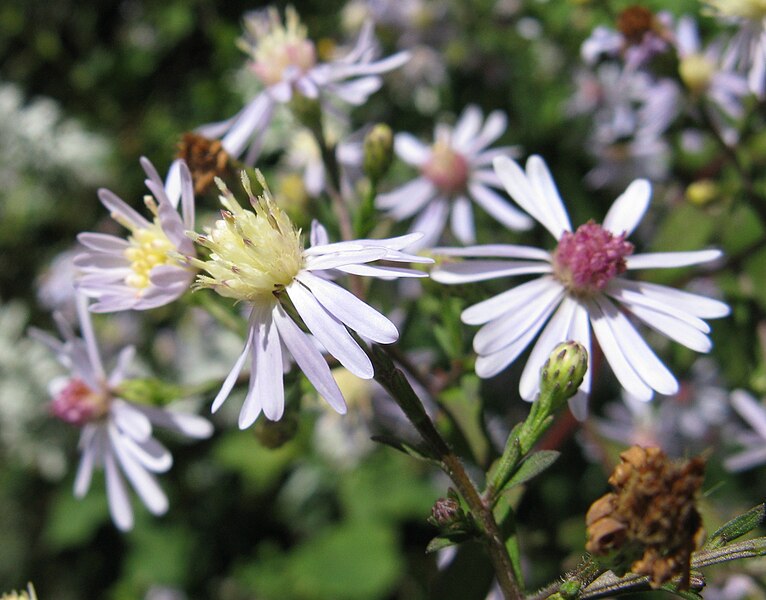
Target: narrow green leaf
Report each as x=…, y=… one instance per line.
x=534, y=465
x=446, y=540
x=419, y=453
x=737, y=527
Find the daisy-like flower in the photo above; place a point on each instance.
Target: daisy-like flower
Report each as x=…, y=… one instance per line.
x=747, y=50
x=258, y=258
x=454, y=170
x=285, y=62
x=116, y=434
x=139, y=273
x=578, y=285
x=754, y=441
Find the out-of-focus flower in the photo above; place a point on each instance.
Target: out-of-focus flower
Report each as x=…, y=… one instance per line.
x=116, y=434
x=747, y=50
x=258, y=257
x=285, y=62
x=754, y=441
x=205, y=158
x=640, y=36
x=139, y=273
x=454, y=170
x=702, y=72
x=29, y=594
x=579, y=280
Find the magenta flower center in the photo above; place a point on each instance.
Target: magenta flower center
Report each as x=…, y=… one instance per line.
x=78, y=404
x=447, y=169
x=586, y=260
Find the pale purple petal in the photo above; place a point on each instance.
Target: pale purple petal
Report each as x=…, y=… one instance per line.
x=498, y=208
x=494, y=127
x=89, y=337
x=89, y=448
x=123, y=360
x=495, y=250
x=410, y=149
x=247, y=122
x=116, y=206
x=152, y=455
x=187, y=424
x=747, y=459
x=481, y=270
x=467, y=127
x=405, y=201
x=431, y=223
x=116, y=494
x=319, y=235
x=131, y=421
x=231, y=378
x=102, y=242
x=461, y=221
x=750, y=410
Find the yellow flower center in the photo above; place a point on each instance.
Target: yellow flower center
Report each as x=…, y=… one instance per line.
x=275, y=47
x=748, y=9
x=253, y=254
x=696, y=72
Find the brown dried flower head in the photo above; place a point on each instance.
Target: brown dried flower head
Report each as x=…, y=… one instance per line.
x=634, y=22
x=649, y=524
x=205, y=158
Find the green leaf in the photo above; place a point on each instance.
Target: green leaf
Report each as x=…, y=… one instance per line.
x=446, y=540
x=737, y=527
x=465, y=407
x=419, y=453
x=74, y=522
x=534, y=465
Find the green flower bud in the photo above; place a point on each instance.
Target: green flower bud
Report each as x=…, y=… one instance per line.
x=378, y=151
x=562, y=374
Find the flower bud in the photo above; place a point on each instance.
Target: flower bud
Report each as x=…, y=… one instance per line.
x=378, y=151
x=448, y=515
x=563, y=373
x=702, y=192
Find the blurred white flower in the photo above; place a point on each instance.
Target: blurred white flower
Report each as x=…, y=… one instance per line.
x=754, y=440
x=574, y=293
x=454, y=170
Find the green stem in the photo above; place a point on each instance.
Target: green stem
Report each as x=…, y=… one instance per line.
x=394, y=381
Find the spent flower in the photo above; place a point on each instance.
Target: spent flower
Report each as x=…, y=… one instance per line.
x=257, y=256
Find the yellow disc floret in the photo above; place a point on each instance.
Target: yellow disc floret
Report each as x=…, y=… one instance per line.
x=149, y=247
x=696, y=72
x=253, y=254
x=748, y=9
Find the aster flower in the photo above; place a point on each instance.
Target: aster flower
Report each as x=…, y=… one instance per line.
x=258, y=258
x=285, y=62
x=578, y=284
x=453, y=170
x=754, y=441
x=138, y=273
x=747, y=50
x=115, y=434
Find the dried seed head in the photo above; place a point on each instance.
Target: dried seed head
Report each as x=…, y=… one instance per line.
x=649, y=524
x=205, y=158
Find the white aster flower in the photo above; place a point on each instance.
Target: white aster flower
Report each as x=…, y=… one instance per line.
x=258, y=258
x=747, y=50
x=116, y=434
x=284, y=60
x=454, y=170
x=139, y=273
x=579, y=282
x=754, y=441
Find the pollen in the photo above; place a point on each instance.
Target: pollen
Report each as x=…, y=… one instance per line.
x=588, y=259
x=276, y=47
x=149, y=247
x=254, y=254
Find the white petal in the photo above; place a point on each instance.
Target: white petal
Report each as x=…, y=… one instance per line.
x=408, y=199
x=467, y=127
x=675, y=329
x=347, y=257
x=510, y=300
x=102, y=242
x=382, y=272
x=461, y=221
x=187, y=424
x=554, y=333
x=246, y=123
x=130, y=421
x=143, y=482
x=309, y=360
x=89, y=446
x=431, y=223
x=494, y=127
x=349, y=309
x=481, y=270
x=750, y=410
x=667, y=260
x=699, y=306
x=637, y=352
x=624, y=372
x=269, y=371
x=542, y=182
x=504, y=330
x=410, y=149
x=117, y=495
x=123, y=361
x=152, y=455
x=116, y=205
x=319, y=236
x=517, y=185
x=627, y=211
x=498, y=208
x=746, y=459
x=231, y=378
x=495, y=250
x=330, y=332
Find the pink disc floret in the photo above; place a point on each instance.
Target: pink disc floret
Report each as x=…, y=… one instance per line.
x=447, y=169
x=588, y=259
x=78, y=404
